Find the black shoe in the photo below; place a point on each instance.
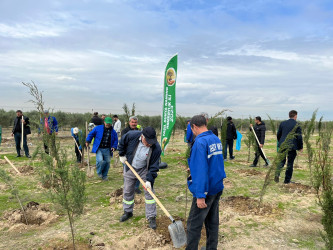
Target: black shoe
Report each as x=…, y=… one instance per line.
x=232, y=157
x=276, y=179
x=289, y=182
x=253, y=166
x=126, y=216
x=18, y=156
x=138, y=191
x=152, y=223
x=28, y=156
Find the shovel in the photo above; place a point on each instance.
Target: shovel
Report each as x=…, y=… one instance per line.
x=176, y=229
x=266, y=160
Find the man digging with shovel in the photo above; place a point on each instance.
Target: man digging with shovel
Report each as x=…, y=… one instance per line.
x=205, y=183
x=142, y=151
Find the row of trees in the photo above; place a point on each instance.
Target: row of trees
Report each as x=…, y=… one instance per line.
x=68, y=120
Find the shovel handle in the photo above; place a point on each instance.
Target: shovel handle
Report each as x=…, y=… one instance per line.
x=258, y=142
x=149, y=191
x=77, y=146
x=12, y=165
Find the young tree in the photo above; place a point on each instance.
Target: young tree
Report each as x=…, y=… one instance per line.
x=9, y=181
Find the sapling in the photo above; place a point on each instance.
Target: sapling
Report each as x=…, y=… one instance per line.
x=14, y=191
x=322, y=182
x=275, y=168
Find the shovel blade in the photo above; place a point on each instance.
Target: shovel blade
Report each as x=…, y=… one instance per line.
x=177, y=233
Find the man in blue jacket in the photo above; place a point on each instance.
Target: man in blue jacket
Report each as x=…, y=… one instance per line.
x=142, y=151
x=295, y=144
x=105, y=143
x=205, y=183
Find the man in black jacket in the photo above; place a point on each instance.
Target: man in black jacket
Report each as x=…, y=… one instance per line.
x=132, y=125
x=142, y=151
x=96, y=120
x=230, y=137
x=17, y=133
x=259, y=129
x=296, y=143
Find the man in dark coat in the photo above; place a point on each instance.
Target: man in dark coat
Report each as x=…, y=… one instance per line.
x=296, y=143
x=230, y=137
x=17, y=133
x=96, y=119
x=142, y=151
x=259, y=129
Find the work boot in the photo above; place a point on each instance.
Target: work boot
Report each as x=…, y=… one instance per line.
x=126, y=216
x=276, y=179
x=253, y=166
x=152, y=223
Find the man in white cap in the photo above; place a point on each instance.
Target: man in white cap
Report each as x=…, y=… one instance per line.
x=76, y=134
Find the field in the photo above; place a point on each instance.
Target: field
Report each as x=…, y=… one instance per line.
x=289, y=218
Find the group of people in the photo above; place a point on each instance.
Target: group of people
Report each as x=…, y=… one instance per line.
x=21, y=128
x=141, y=150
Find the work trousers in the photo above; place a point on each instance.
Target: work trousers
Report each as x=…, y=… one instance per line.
x=229, y=144
x=77, y=152
x=129, y=192
x=257, y=154
x=17, y=137
x=290, y=166
x=209, y=216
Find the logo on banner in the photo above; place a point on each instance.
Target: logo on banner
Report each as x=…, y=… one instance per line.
x=171, y=76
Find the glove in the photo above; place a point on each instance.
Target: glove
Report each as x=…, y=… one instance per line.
x=148, y=185
x=122, y=159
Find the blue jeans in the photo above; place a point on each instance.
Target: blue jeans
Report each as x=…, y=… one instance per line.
x=209, y=216
x=103, y=158
x=17, y=137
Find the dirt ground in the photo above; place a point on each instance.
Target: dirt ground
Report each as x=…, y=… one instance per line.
x=288, y=218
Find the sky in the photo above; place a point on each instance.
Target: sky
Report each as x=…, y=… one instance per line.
x=253, y=57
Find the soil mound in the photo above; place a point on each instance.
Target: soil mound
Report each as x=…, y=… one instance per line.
x=249, y=172
x=299, y=188
x=26, y=169
x=35, y=214
x=245, y=205
x=162, y=229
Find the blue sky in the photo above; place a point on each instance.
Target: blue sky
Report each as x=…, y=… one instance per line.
x=252, y=57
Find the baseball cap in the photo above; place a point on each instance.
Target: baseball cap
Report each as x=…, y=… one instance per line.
x=150, y=135
x=76, y=130
x=108, y=120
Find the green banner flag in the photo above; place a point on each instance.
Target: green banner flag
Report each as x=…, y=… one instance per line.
x=169, y=102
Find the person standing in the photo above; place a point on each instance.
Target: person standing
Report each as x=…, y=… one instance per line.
x=260, y=129
x=50, y=130
x=230, y=137
x=76, y=133
x=105, y=143
x=132, y=125
x=17, y=133
x=116, y=124
x=205, y=183
x=142, y=151
x=296, y=143
x=96, y=119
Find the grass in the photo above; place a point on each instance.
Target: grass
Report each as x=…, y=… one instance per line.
x=238, y=230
